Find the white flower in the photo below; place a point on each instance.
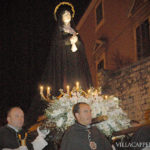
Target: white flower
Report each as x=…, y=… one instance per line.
x=59, y=122
x=60, y=111
x=57, y=112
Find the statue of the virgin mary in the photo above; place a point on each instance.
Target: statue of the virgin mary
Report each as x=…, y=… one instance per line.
x=67, y=62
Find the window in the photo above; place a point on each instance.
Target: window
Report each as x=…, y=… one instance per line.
x=100, y=66
x=99, y=13
x=143, y=40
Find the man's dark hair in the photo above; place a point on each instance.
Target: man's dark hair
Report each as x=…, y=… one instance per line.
x=76, y=108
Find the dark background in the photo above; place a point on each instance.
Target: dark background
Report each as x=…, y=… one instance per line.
x=25, y=33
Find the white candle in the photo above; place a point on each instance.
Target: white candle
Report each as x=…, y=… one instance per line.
x=68, y=89
x=95, y=92
x=77, y=85
x=41, y=90
x=105, y=97
x=48, y=91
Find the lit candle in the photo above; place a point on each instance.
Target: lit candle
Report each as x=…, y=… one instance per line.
x=105, y=97
x=68, y=89
x=41, y=90
x=48, y=91
x=95, y=92
x=77, y=85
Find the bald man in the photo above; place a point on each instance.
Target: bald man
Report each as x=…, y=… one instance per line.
x=9, y=139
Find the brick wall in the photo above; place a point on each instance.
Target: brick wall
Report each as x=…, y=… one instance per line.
x=131, y=85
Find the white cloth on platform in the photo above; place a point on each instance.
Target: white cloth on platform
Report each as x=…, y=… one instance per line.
x=39, y=143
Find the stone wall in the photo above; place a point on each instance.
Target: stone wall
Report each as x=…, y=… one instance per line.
x=131, y=85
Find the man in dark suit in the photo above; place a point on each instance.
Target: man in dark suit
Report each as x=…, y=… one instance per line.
x=9, y=134
x=81, y=135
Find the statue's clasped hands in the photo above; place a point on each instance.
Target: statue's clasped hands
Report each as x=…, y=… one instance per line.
x=73, y=41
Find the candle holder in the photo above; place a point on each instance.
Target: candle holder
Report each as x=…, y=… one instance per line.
x=22, y=140
x=45, y=93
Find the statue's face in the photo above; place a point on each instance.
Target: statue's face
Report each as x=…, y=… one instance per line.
x=66, y=17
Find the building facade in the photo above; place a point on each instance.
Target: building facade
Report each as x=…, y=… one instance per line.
x=116, y=33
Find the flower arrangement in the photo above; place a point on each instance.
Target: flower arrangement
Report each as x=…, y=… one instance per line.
x=60, y=111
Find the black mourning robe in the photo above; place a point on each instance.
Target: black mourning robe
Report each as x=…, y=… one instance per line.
x=76, y=138
x=9, y=139
x=65, y=67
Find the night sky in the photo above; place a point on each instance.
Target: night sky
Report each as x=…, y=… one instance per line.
x=25, y=33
